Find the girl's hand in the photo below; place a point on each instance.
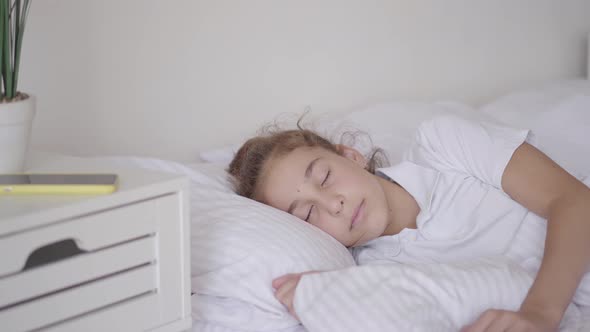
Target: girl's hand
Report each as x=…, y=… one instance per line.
x=285, y=289
x=501, y=320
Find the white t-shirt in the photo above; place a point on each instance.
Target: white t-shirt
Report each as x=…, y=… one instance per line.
x=453, y=169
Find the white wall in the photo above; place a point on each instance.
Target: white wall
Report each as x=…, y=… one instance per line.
x=171, y=77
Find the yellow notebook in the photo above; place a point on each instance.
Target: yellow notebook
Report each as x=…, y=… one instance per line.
x=58, y=184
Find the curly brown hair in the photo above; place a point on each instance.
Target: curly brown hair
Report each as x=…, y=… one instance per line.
x=248, y=163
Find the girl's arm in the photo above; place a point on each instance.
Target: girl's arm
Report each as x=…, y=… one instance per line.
x=539, y=184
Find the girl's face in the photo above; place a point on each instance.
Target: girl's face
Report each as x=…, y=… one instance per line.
x=333, y=192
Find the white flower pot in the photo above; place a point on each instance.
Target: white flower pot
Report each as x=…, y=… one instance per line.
x=16, y=119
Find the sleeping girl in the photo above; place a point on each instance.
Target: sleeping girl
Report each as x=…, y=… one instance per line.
x=464, y=190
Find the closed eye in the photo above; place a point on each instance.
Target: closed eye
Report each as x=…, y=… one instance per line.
x=309, y=213
x=326, y=178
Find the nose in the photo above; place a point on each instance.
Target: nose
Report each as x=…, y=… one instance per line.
x=330, y=201
x=335, y=204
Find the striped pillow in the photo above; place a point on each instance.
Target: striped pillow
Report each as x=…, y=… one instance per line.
x=239, y=246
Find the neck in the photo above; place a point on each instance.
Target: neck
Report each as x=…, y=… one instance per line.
x=403, y=208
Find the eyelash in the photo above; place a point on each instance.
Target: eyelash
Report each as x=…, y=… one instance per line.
x=326, y=179
x=311, y=208
x=309, y=213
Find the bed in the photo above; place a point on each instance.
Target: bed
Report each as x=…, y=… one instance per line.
x=238, y=246
x=232, y=273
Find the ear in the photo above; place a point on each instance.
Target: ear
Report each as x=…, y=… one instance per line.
x=352, y=154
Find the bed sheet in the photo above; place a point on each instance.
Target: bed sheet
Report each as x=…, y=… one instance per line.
x=204, y=326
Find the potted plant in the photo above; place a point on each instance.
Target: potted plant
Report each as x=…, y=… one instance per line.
x=17, y=109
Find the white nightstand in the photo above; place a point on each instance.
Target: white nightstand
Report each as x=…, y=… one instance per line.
x=117, y=262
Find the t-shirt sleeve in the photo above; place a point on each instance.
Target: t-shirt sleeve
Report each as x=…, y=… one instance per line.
x=478, y=148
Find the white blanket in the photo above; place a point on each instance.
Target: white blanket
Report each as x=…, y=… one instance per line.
x=418, y=297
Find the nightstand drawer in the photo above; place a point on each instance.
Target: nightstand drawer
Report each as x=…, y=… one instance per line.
x=76, y=270
x=82, y=299
x=136, y=314
x=89, y=233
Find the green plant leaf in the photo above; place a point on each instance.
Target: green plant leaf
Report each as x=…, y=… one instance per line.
x=3, y=19
x=22, y=20
x=7, y=51
x=13, y=18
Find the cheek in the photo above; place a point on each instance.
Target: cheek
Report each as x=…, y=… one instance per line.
x=366, y=182
x=329, y=225
x=274, y=200
x=355, y=179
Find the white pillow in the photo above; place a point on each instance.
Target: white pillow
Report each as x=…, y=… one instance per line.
x=520, y=107
x=557, y=113
x=239, y=246
x=221, y=155
x=389, y=126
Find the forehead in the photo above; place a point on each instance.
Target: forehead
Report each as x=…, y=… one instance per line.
x=284, y=174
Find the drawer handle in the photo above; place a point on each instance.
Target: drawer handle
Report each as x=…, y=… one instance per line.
x=52, y=252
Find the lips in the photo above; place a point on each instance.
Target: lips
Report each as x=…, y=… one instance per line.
x=358, y=213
